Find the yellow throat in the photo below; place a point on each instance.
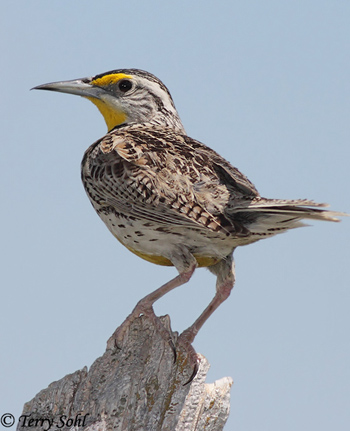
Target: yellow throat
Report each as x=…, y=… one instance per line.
x=112, y=116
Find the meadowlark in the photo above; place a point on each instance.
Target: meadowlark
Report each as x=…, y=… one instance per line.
x=165, y=196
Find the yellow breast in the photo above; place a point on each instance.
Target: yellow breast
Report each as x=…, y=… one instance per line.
x=203, y=261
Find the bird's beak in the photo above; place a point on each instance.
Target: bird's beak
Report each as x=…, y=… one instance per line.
x=108, y=105
x=79, y=87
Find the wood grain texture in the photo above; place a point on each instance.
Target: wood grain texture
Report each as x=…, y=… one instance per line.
x=135, y=387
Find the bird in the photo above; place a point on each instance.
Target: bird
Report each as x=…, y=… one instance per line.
x=168, y=198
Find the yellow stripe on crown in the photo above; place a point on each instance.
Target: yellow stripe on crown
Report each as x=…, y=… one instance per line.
x=112, y=78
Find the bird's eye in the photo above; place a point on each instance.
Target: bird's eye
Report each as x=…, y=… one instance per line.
x=124, y=85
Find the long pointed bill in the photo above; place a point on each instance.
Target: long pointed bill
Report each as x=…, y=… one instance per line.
x=107, y=104
x=79, y=87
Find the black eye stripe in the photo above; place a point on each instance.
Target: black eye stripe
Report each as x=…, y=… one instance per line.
x=124, y=85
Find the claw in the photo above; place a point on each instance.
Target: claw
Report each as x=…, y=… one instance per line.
x=194, y=373
x=115, y=340
x=184, y=342
x=172, y=345
x=116, y=345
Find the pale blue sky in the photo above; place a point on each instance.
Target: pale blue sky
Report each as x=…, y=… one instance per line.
x=266, y=84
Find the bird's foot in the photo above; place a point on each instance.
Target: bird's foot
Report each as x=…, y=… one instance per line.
x=184, y=342
x=116, y=340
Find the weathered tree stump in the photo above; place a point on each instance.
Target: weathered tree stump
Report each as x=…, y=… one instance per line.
x=136, y=387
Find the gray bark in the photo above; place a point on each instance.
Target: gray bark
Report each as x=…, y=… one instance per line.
x=136, y=387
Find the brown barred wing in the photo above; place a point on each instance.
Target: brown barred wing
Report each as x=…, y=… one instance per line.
x=159, y=175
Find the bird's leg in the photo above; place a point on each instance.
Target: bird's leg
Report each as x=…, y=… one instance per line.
x=225, y=282
x=186, y=266
x=221, y=295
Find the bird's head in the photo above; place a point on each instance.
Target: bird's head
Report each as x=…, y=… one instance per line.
x=124, y=96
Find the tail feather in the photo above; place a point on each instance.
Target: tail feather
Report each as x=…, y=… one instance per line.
x=273, y=216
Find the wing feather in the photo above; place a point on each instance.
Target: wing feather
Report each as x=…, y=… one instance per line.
x=161, y=176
